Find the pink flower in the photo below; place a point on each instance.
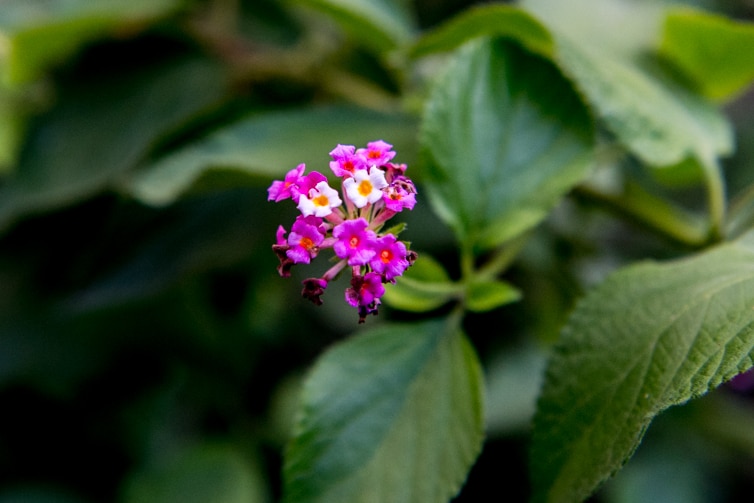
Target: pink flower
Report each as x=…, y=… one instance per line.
x=390, y=257
x=365, y=187
x=280, y=190
x=307, y=183
x=400, y=194
x=281, y=248
x=304, y=240
x=280, y=236
x=320, y=201
x=354, y=241
x=365, y=293
x=377, y=153
x=345, y=161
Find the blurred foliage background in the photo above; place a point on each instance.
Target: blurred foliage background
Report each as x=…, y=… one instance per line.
x=149, y=352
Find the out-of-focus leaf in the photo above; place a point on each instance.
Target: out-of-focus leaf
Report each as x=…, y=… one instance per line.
x=622, y=28
x=423, y=287
x=48, y=351
x=34, y=494
x=484, y=296
x=268, y=145
x=668, y=474
x=12, y=128
x=161, y=249
x=649, y=337
x=711, y=49
x=503, y=138
x=513, y=379
x=393, y=414
x=38, y=35
x=488, y=20
x=207, y=473
x=661, y=123
x=658, y=120
x=379, y=24
x=104, y=127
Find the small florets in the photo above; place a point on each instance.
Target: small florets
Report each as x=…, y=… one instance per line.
x=373, y=189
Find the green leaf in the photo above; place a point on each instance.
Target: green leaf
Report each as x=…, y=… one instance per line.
x=104, y=127
x=268, y=145
x=41, y=34
x=609, y=57
x=13, y=120
x=207, y=473
x=612, y=57
x=503, y=138
x=651, y=336
x=710, y=49
x=423, y=287
x=484, y=296
x=487, y=20
x=393, y=414
x=659, y=121
x=615, y=26
x=379, y=24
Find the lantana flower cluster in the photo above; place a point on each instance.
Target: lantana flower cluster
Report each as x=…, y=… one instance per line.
x=350, y=222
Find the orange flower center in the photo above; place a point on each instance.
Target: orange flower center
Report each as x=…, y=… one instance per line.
x=365, y=188
x=321, y=200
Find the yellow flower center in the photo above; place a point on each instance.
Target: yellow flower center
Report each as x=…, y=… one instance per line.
x=365, y=188
x=321, y=200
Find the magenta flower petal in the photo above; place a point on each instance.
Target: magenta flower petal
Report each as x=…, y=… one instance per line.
x=390, y=257
x=304, y=239
x=377, y=153
x=365, y=290
x=280, y=190
x=354, y=241
x=346, y=161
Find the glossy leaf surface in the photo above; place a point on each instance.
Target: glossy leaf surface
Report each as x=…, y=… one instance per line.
x=393, y=414
x=502, y=140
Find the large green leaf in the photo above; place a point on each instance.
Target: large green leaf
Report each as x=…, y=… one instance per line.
x=710, y=49
x=103, y=127
x=41, y=34
x=270, y=144
x=391, y=415
x=503, y=138
x=651, y=336
x=606, y=55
